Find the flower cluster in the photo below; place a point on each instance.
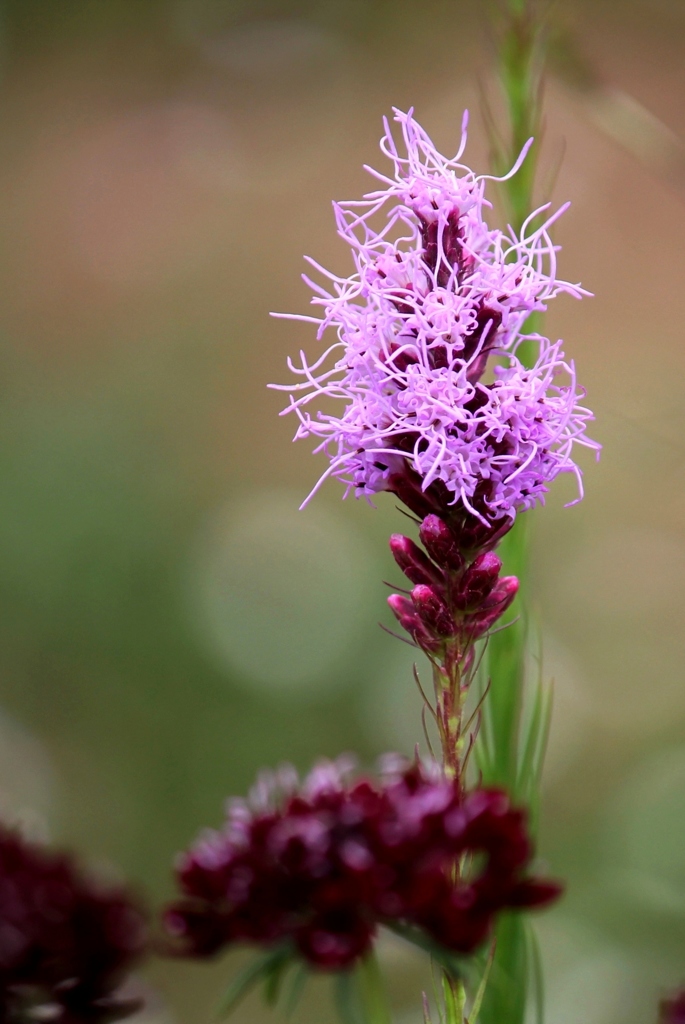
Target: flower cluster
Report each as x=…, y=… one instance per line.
x=672, y=1010
x=322, y=863
x=66, y=944
x=438, y=298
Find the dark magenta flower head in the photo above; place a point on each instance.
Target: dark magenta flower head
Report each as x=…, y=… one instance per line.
x=319, y=865
x=435, y=295
x=66, y=942
x=672, y=1010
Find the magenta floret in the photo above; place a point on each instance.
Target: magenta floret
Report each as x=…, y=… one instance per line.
x=434, y=295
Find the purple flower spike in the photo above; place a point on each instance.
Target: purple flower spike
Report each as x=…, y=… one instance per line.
x=435, y=293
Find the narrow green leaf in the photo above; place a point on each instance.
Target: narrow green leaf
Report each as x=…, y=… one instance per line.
x=454, y=995
x=347, y=998
x=372, y=987
x=504, y=1000
x=455, y=966
x=526, y=771
x=295, y=989
x=273, y=979
x=437, y=995
x=541, y=750
x=478, y=998
x=246, y=980
x=536, y=974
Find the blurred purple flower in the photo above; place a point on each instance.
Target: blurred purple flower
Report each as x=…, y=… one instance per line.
x=322, y=863
x=434, y=294
x=66, y=943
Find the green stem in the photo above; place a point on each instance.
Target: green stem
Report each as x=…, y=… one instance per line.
x=521, y=63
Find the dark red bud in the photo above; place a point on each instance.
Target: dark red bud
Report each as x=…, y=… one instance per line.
x=405, y=613
x=474, y=535
x=503, y=593
x=441, y=544
x=433, y=611
x=478, y=581
x=415, y=565
x=499, y=599
x=409, y=493
x=402, y=607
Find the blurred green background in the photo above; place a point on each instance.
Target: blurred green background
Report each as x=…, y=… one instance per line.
x=169, y=622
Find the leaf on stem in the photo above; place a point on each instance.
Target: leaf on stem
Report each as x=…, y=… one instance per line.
x=537, y=981
x=264, y=968
x=295, y=989
x=347, y=998
x=457, y=967
x=478, y=998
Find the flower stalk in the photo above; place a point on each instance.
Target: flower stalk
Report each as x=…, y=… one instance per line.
x=453, y=405
x=440, y=410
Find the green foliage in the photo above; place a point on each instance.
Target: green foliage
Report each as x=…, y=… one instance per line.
x=360, y=994
x=269, y=969
x=516, y=714
x=456, y=967
x=348, y=998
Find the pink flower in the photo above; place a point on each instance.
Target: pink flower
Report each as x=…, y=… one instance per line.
x=435, y=296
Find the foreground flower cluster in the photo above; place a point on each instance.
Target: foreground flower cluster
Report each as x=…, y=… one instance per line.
x=322, y=863
x=436, y=295
x=66, y=944
x=672, y=1010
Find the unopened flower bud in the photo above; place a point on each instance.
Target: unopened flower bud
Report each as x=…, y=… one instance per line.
x=415, y=565
x=478, y=581
x=475, y=535
x=441, y=544
x=402, y=608
x=408, y=490
x=405, y=613
x=501, y=596
x=433, y=611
